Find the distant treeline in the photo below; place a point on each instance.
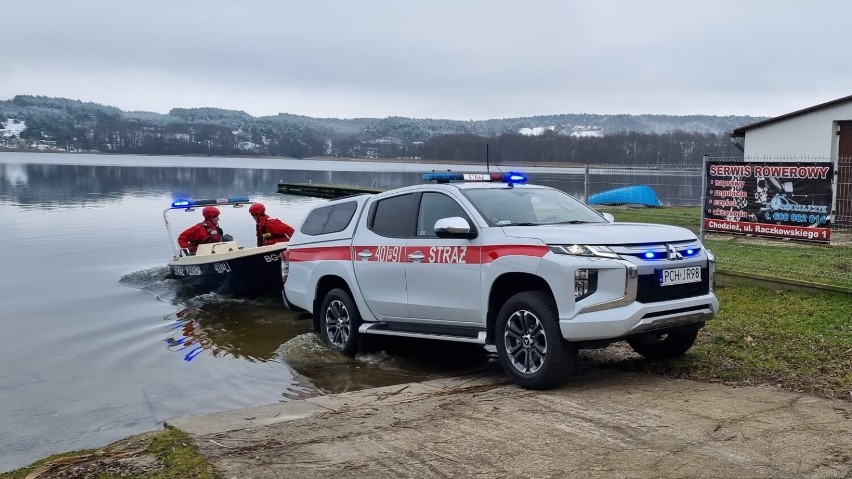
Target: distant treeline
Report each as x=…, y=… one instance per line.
x=72, y=125
x=620, y=148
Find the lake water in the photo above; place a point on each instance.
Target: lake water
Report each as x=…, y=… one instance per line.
x=98, y=345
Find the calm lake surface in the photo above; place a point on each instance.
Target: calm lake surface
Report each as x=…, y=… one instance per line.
x=98, y=345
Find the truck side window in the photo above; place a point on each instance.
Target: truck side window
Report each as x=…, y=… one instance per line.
x=340, y=217
x=393, y=217
x=328, y=219
x=434, y=206
x=316, y=220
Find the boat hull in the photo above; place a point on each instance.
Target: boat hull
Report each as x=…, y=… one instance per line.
x=248, y=272
x=630, y=195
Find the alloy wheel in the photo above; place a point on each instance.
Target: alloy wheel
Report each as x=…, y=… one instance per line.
x=525, y=342
x=337, y=324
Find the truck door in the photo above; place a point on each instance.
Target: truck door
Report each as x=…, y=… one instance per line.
x=379, y=247
x=443, y=274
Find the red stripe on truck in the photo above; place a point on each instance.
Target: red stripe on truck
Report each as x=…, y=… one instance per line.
x=495, y=252
x=432, y=253
x=338, y=253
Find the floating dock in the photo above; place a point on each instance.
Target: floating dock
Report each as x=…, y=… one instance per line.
x=324, y=191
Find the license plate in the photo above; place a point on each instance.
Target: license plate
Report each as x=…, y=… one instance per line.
x=690, y=274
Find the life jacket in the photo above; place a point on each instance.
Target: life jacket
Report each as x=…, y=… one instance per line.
x=214, y=233
x=264, y=236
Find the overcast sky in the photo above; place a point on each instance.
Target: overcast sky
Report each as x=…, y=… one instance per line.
x=456, y=59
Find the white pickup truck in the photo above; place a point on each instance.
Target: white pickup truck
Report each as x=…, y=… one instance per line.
x=524, y=269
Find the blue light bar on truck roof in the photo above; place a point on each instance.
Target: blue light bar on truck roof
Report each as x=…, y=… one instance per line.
x=187, y=203
x=446, y=177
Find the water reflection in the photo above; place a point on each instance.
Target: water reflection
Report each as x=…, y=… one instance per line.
x=382, y=361
x=211, y=327
x=48, y=185
x=226, y=328
x=216, y=327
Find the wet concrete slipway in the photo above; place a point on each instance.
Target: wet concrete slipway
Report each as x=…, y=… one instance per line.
x=598, y=425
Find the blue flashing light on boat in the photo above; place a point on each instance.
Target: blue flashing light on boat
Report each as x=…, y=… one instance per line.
x=231, y=200
x=238, y=199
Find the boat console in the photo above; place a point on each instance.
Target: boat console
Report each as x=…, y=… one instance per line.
x=213, y=248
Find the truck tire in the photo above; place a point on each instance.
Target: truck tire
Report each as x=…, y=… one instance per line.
x=339, y=322
x=529, y=343
x=664, y=344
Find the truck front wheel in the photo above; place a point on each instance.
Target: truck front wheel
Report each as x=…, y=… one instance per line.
x=530, y=346
x=339, y=322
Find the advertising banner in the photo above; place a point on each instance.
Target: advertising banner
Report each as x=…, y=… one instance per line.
x=781, y=200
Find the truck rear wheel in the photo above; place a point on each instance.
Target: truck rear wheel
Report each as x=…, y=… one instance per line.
x=339, y=322
x=530, y=346
x=664, y=344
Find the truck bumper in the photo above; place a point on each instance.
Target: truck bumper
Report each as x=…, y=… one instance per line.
x=637, y=317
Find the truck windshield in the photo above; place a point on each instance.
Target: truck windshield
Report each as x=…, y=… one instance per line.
x=530, y=206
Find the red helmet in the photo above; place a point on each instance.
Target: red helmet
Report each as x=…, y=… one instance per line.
x=257, y=209
x=210, y=212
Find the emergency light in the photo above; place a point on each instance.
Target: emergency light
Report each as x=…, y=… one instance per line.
x=663, y=255
x=511, y=178
x=187, y=203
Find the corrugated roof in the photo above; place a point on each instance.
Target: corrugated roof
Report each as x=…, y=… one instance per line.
x=741, y=131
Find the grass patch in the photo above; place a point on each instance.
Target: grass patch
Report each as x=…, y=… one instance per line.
x=166, y=454
x=179, y=456
x=799, y=340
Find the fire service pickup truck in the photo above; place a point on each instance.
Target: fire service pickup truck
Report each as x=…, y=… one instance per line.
x=522, y=269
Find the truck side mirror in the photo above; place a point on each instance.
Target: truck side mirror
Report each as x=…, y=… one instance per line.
x=454, y=227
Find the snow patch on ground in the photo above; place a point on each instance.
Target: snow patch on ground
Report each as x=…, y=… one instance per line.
x=12, y=127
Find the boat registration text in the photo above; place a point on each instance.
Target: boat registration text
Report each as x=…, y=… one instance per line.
x=195, y=270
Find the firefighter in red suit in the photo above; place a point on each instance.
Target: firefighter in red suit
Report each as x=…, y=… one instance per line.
x=269, y=230
x=208, y=231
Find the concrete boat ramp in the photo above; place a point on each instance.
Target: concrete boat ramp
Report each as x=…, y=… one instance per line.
x=602, y=425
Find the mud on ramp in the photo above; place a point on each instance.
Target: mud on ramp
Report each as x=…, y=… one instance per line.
x=604, y=425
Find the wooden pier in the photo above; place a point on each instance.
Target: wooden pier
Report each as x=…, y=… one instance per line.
x=324, y=191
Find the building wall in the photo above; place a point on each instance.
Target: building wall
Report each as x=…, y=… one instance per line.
x=811, y=135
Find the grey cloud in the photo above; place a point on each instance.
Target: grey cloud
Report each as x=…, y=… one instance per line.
x=438, y=58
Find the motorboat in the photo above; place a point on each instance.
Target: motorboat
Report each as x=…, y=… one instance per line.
x=224, y=267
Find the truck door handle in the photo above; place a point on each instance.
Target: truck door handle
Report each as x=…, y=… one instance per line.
x=416, y=257
x=365, y=255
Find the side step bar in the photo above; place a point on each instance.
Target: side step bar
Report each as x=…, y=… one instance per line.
x=445, y=334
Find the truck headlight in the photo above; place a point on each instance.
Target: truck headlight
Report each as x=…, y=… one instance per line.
x=584, y=250
x=585, y=283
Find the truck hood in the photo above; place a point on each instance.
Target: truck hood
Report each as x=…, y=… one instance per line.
x=602, y=234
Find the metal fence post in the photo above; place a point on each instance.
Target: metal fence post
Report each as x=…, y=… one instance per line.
x=586, y=185
x=703, y=196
